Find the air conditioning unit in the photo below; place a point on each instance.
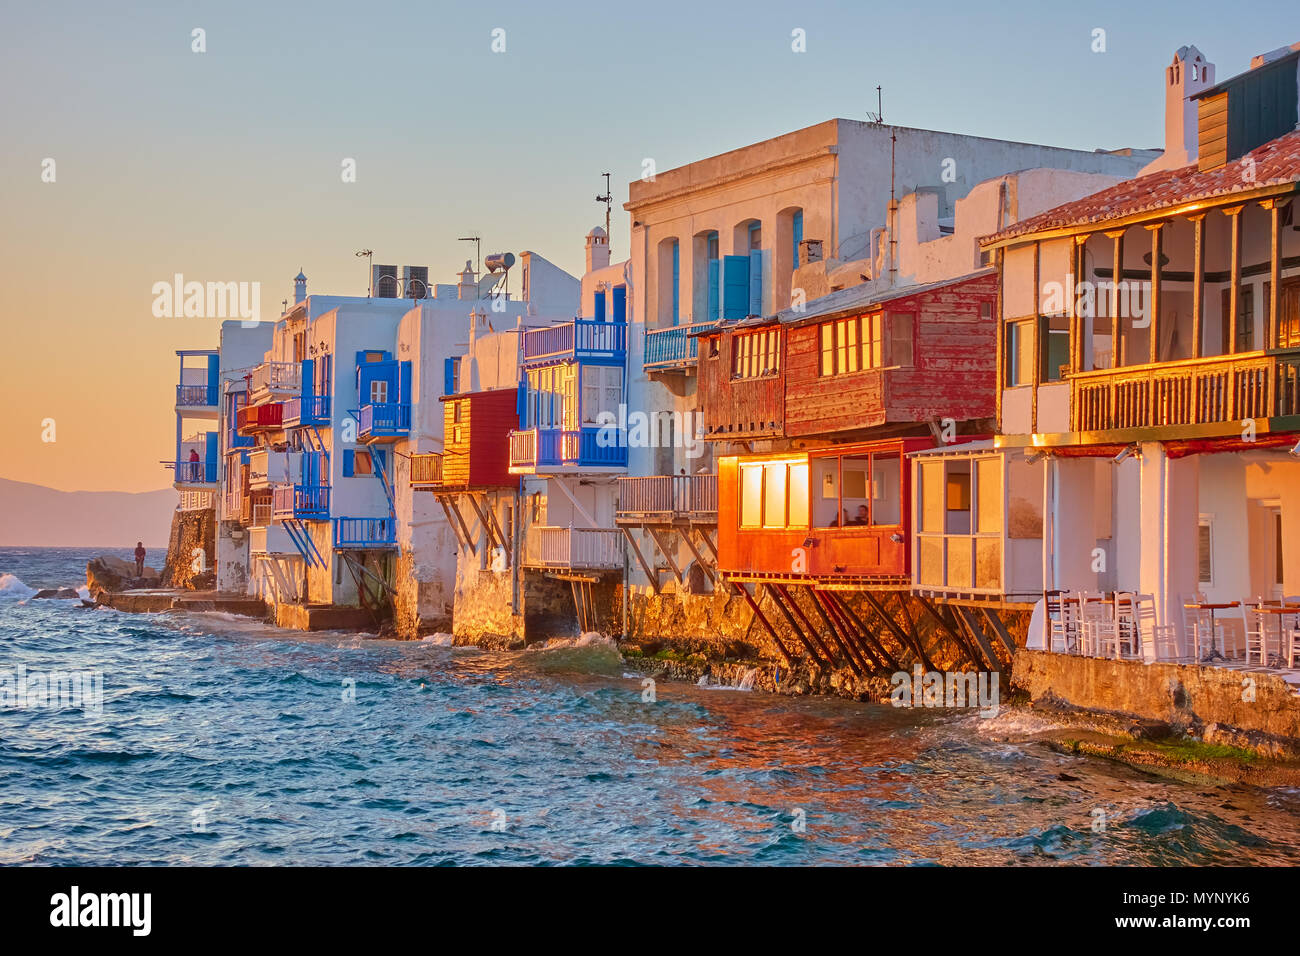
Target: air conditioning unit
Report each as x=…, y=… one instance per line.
x=810, y=250
x=415, y=281
x=383, y=282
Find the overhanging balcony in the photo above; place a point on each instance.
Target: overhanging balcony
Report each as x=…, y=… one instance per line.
x=193, y=475
x=256, y=418
x=426, y=471
x=384, y=422
x=576, y=340
x=574, y=549
x=674, y=348
x=365, y=533
x=300, y=503
x=589, y=449
x=281, y=379
x=1193, y=398
x=307, y=410
x=668, y=499
x=196, y=398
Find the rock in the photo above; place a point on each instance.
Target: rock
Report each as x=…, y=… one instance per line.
x=107, y=573
x=60, y=593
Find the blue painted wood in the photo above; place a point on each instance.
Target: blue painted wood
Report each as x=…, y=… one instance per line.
x=349, y=462
x=714, y=301
x=796, y=237
x=735, y=287
x=756, y=282
x=598, y=306
x=620, y=303
x=677, y=281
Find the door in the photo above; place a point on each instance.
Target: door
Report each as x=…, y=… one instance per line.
x=1275, y=559
x=1288, y=315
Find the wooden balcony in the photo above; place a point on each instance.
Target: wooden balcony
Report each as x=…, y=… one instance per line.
x=255, y=418
x=574, y=549
x=549, y=450
x=384, y=422
x=576, y=340
x=275, y=378
x=426, y=470
x=668, y=499
x=1186, y=399
x=300, y=502
x=673, y=348
x=365, y=533
x=307, y=410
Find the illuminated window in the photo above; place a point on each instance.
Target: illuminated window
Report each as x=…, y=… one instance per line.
x=756, y=354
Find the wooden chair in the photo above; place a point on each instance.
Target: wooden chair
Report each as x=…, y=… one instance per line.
x=1200, y=629
x=1095, y=615
x=1164, y=642
x=1256, y=628
x=1062, y=627
x=1123, y=637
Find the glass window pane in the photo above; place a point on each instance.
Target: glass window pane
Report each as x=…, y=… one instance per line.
x=799, y=496
x=988, y=489
x=932, y=496
x=751, y=495
x=886, y=496
x=774, y=496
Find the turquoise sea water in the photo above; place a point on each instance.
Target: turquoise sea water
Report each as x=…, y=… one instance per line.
x=223, y=741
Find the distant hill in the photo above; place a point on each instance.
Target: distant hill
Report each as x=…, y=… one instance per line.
x=36, y=516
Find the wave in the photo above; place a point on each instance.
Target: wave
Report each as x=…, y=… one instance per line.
x=13, y=589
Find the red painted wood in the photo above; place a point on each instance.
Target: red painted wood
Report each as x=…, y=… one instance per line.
x=481, y=456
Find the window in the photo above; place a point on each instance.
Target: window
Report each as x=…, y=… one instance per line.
x=857, y=490
x=858, y=343
x=755, y=354
x=1055, y=346
x=1020, y=356
x=361, y=464
x=537, y=508
x=602, y=392
x=901, y=331
x=378, y=392
x=751, y=495
x=1205, y=551
x=774, y=495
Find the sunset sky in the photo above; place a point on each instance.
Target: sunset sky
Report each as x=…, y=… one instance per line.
x=225, y=165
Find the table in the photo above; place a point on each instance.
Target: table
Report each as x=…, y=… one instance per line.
x=1275, y=660
x=1213, y=654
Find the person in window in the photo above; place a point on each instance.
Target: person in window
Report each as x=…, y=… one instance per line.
x=861, y=516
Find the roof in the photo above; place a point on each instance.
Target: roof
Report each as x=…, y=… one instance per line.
x=982, y=445
x=1277, y=163
x=860, y=297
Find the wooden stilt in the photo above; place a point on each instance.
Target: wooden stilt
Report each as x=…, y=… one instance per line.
x=953, y=632
x=663, y=549
x=857, y=666
x=865, y=647
x=794, y=626
x=640, y=558
x=890, y=661
x=967, y=617
x=808, y=627
x=758, y=614
x=704, y=566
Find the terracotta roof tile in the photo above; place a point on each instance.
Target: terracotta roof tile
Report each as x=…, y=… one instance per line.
x=1277, y=162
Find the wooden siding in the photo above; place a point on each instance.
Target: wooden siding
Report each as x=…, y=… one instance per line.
x=1212, y=126
x=738, y=408
x=952, y=373
x=481, y=456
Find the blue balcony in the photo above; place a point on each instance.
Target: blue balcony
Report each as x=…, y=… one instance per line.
x=672, y=348
x=581, y=339
x=193, y=472
x=386, y=422
x=554, y=450
x=300, y=502
x=307, y=410
x=196, y=396
x=365, y=533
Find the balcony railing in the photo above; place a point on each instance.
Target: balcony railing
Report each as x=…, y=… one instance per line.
x=253, y=418
x=277, y=377
x=1223, y=389
x=307, y=410
x=193, y=472
x=598, y=549
x=387, y=420
x=191, y=396
x=581, y=338
x=426, y=470
x=365, y=532
x=589, y=447
x=673, y=347
x=309, y=502
x=669, y=496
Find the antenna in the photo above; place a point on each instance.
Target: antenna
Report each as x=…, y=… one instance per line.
x=608, y=200
x=478, y=251
x=878, y=117
x=368, y=255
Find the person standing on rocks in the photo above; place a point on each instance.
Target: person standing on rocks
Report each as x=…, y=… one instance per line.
x=139, y=559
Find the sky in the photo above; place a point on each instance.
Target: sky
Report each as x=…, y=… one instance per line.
x=227, y=164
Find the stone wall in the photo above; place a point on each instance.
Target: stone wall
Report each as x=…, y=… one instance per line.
x=192, y=531
x=1202, y=701
x=482, y=612
x=421, y=605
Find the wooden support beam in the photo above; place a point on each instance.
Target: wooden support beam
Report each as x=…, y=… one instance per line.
x=812, y=631
x=486, y=525
x=880, y=652
x=663, y=549
x=903, y=637
x=794, y=625
x=1198, y=284
x=703, y=565
x=758, y=614
x=1274, y=207
x=865, y=652
x=713, y=548
x=858, y=667
x=953, y=632
x=911, y=629
x=1153, y=306
x=1116, y=277
x=967, y=616
x=640, y=559
x=999, y=630
x=1234, y=289
x=501, y=535
x=458, y=525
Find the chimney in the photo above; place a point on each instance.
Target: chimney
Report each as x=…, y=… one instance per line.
x=467, y=288
x=597, y=249
x=1187, y=75
x=299, y=287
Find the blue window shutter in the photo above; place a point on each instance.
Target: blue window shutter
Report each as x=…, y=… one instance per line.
x=521, y=404
x=214, y=375
x=599, y=306
x=756, y=282
x=307, y=377
x=449, y=376
x=735, y=287
x=349, y=457
x=210, y=456
x=677, y=281
x=714, y=311
x=796, y=237
x=620, y=303
x=404, y=382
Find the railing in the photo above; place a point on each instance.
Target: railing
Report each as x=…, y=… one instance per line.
x=672, y=347
x=577, y=548
x=581, y=337
x=685, y=495
x=591, y=446
x=276, y=377
x=193, y=472
x=196, y=395
x=388, y=419
x=1225, y=388
x=365, y=532
x=300, y=501
x=426, y=469
x=307, y=410
x=253, y=417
